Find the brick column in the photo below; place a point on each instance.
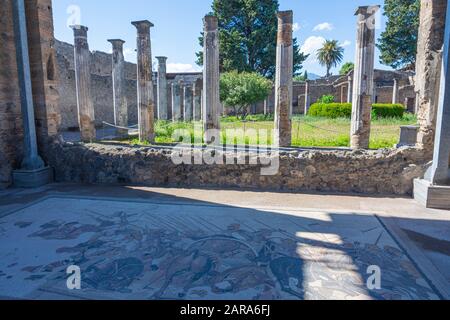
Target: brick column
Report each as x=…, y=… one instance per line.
x=197, y=104
x=86, y=116
x=146, y=100
x=188, y=103
x=428, y=70
x=211, y=74
x=44, y=72
x=283, y=80
x=162, y=89
x=363, y=84
x=119, y=95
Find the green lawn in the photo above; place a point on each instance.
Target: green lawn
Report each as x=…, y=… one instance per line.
x=306, y=131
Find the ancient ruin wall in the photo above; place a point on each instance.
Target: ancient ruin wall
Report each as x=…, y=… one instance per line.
x=367, y=172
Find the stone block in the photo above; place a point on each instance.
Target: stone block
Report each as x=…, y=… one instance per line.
x=408, y=136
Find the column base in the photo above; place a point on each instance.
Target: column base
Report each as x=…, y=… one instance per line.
x=32, y=178
x=430, y=196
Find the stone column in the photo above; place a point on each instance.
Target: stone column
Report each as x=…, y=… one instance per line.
x=176, y=102
x=283, y=80
x=363, y=84
x=118, y=77
x=31, y=159
x=350, y=90
x=197, y=103
x=266, y=106
x=162, y=89
x=145, y=97
x=86, y=116
x=428, y=70
x=395, y=92
x=307, y=97
x=440, y=170
x=188, y=95
x=211, y=100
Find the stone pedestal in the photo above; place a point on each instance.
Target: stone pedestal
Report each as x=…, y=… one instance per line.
x=86, y=115
x=146, y=101
x=432, y=196
x=32, y=178
x=363, y=84
x=211, y=76
x=283, y=80
x=163, y=107
x=118, y=77
x=408, y=136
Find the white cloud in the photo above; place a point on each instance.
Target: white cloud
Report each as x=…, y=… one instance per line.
x=129, y=54
x=310, y=46
x=326, y=26
x=346, y=43
x=296, y=27
x=181, y=67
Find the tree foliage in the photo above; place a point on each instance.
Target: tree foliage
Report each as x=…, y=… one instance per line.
x=240, y=90
x=248, y=37
x=346, y=68
x=398, y=44
x=330, y=55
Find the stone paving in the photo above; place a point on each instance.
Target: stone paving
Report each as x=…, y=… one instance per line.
x=199, y=250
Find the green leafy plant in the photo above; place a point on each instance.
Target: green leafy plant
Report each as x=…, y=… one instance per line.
x=328, y=98
x=346, y=68
x=240, y=90
x=344, y=110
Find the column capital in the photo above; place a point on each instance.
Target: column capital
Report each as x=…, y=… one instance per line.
x=285, y=17
x=79, y=31
x=161, y=59
x=143, y=26
x=116, y=43
x=211, y=23
x=367, y=11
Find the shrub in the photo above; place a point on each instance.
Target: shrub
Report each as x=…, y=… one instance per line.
x=344, y=110
x=326, y=99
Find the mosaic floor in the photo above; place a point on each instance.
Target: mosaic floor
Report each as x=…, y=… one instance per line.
x=143, y=250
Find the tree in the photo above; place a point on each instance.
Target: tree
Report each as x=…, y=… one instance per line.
x=346, y=68
x=248, y=37
x=240, y=90
x=330, y=55
x=398, y=44
x=301, y=78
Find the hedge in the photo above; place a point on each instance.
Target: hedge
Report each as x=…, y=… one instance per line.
x=344, y=110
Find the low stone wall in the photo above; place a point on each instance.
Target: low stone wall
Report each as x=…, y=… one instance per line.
x=367, y=172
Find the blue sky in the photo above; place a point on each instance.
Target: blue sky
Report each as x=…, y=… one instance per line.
x=179, y=22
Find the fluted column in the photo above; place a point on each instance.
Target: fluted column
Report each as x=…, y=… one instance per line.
x=145, y=97
x=211, y=100
x=86, y=115
x=363, y=84
x=197, y=103
x=176, y=102
x=188, y=95
x=395, y=92
x=118, y=76
x=283, y=80
x=162, y=88
x=307, y=97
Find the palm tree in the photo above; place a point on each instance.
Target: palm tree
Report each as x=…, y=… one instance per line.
x=330, y=55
